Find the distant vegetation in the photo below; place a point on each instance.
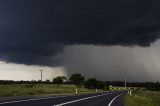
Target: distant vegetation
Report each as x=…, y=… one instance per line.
x=77, y=79
x=153, y=86
x=59, y=80
x=61, y=84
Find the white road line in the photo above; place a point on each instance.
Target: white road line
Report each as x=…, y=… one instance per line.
x=43, y=98
x=114, y=99
x=62, y=104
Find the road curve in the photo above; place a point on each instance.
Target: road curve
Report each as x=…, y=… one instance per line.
x=100, y=99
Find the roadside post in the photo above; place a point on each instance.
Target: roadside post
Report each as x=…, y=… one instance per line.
x=96, y=90
x=130, y=92
x=76, y=91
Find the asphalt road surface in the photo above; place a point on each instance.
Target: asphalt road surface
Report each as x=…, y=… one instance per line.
x=100, y=99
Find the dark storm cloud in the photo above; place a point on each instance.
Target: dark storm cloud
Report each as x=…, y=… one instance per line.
x=31, y=31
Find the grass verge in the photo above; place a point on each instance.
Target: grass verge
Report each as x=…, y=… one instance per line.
x=38, y=89
x=142, y=99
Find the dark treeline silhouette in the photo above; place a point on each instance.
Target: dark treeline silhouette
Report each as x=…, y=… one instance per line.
x=32, y=82
x=91, y=83
x=148, y=85
x=25, y=82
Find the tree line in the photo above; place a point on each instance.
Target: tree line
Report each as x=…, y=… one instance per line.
x=79, y=81
x=91, y=83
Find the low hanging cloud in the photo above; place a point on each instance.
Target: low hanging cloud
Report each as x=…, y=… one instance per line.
x=31, y=32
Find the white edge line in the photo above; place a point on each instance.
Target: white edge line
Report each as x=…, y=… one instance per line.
x=43, y=98
x=81, y=99
x=114, y=99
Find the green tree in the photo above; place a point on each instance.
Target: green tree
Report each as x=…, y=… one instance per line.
x=59, y=80
x=47, y=81
x=91, y=83
x=77, y=79
x=101, y=85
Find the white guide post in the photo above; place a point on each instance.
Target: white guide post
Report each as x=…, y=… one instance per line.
x=76, y=91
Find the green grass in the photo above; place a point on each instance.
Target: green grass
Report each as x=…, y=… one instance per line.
x=38, y=89
x=142, y=99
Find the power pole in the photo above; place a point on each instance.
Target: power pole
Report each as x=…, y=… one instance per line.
x=41, y=75
x=125, y=79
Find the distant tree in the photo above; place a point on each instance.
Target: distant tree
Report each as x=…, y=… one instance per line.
x=157, y=86
x=100, y=85
x=47, y=81
x=91, y=83
x=77, y=79
x=59, y=80
x=39, y=81
x=153, y=86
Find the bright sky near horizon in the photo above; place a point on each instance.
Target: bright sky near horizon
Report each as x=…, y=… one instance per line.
x=12, y=71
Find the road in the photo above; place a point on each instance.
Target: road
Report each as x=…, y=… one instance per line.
x=100, y=99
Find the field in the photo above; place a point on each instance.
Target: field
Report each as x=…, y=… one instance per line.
x=38, y=89
x=143, y=98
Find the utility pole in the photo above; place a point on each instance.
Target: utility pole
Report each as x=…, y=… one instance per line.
x=125, y=79
x=41, y=75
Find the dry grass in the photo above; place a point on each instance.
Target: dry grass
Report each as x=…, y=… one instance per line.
x=38, y=89
x=143, y=98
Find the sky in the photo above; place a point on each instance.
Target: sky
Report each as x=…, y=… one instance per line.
x=106, y=39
